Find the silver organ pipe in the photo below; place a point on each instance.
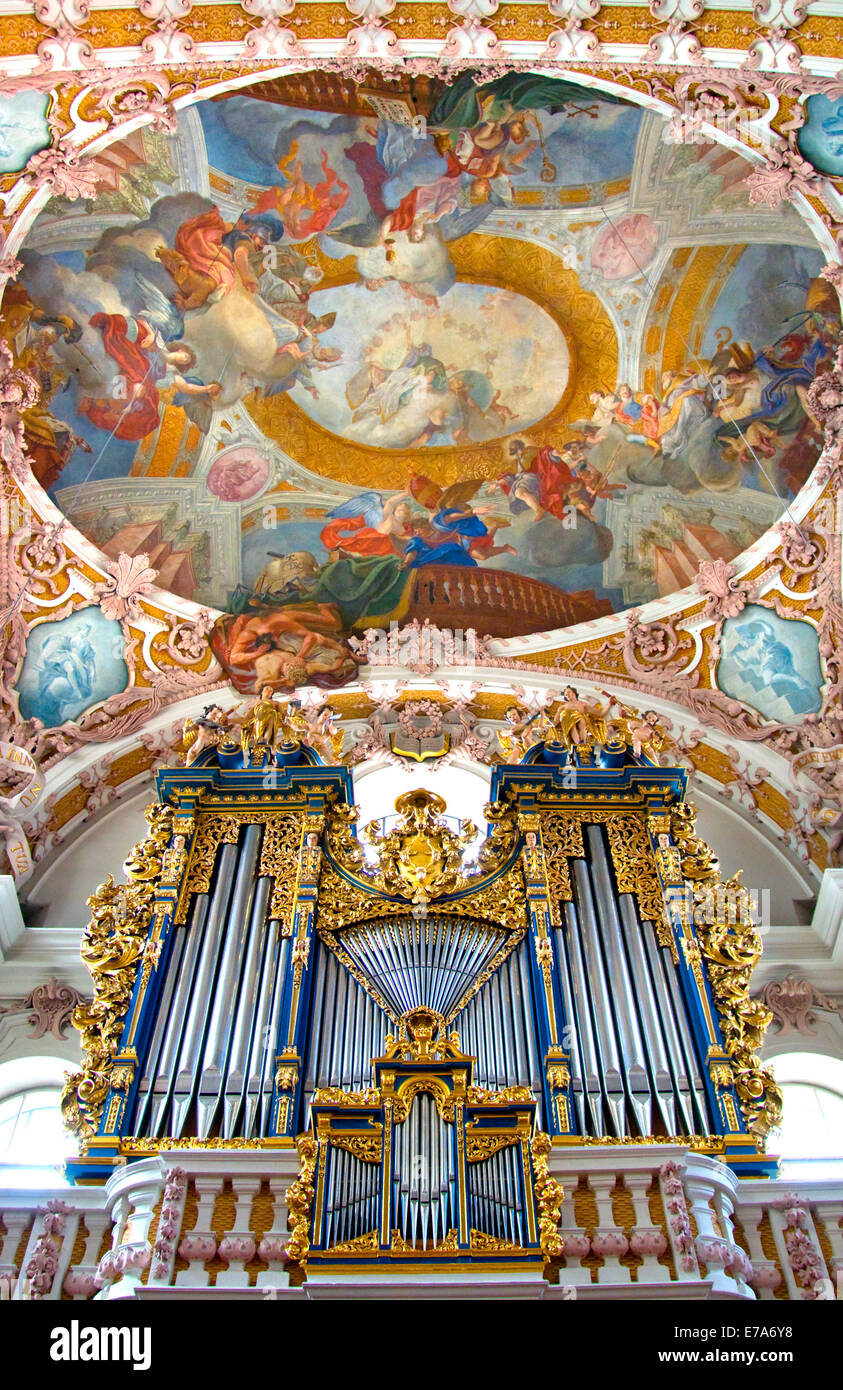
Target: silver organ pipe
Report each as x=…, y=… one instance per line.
x=423, y=958
x=215, y=1036
x=607, y=1046
x=235, y=1078
x=646, y=1001
x=163, y=1017
x=260, y=1040
x=678, y=1067
x=423, y=1176
x=496, y=1205
x=573, y=1040
x=636, y=1081
x=201, y=993
x=347, y=1030
x=697, y=1089
x=270, y=1032
x=165, y=1063
x=582, y=1024
x=218, y=1034
x=631, y=1037
x=496, y=1026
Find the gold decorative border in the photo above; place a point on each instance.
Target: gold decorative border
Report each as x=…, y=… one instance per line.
x=481, y=259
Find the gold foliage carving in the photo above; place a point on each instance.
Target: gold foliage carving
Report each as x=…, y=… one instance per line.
x=300, y=1200
x=482, y=1146
x=549, y=1197
x=279, y=855
x=113, y=946
x=731, y=948
x=636, y=872
x=493, y=1245
x=450, y=1245
x=335, y=1095
x=420, y=858
x=562, y=839
x=342, y=902
x=510, y=1095
x=359, y=1245
x=213, y=829
x=364, y=1146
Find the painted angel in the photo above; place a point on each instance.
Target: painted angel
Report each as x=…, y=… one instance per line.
x=369, y=524
x=459, y=530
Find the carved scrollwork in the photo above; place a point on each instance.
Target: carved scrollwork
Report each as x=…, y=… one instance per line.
x=730, y=946
x=300, y=1200
x=364, y=1146
x=481, y=1146
x=549, y=1197
x=635, y=870
x=113, y=947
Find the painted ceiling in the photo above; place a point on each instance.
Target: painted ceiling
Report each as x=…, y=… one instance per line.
x=503, y=356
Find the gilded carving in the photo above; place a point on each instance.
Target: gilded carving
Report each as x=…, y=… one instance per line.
x=562, y=840
x=364, y=1146
x=481, y=1146
x=335, y=1095
x=731, y=948
x=112, y=948
x=635, y=868
x=549, y=1197
x=364, y=1244
x=300, y=1200
x=279, y=855
x=420, y=858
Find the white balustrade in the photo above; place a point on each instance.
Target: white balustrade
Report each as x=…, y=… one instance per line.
x=695, y=1191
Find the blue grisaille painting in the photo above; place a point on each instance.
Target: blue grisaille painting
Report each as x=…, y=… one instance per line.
x=771, y=664
x=23, y=129
x=70, y=666
x=821, y=137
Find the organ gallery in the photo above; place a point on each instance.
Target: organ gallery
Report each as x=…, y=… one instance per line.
x=423, y=1028
x=420, y=593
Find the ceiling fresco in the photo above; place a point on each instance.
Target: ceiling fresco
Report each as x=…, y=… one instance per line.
x=503, y=356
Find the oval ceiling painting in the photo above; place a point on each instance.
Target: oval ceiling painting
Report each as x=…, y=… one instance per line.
x=502, y=356
x=475, y=364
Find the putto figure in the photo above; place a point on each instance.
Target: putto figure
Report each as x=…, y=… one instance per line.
x=574, y=720
x=207, y=731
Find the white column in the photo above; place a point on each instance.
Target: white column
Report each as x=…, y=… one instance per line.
x=238, y=1246
x=705, y=1181
x=132, y=1194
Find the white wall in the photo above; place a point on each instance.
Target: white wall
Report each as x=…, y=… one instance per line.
x=56, y=896
x=740, y=843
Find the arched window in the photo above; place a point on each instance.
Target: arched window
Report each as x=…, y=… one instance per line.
x=811, y=1137
x=33, y=1141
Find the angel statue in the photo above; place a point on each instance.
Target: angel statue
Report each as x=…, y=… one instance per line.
x=263, y=725
x=520, y=733
x=205, y=732
x=641, y=732
x=574, y=720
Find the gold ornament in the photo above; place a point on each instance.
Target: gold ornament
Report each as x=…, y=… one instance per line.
x=731, y=948
x=421, y=858
x=300, y=1200
x=113, y=947
x=549, y=1197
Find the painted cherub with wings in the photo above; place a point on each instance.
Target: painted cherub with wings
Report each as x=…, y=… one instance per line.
x=369, y=524
x=453, y=510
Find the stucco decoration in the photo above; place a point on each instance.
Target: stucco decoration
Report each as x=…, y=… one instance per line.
x=115, y=115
